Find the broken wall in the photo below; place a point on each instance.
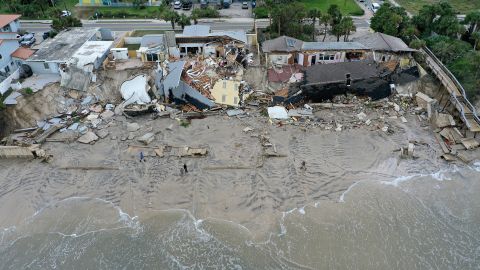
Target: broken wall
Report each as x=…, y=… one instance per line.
x=75, y=78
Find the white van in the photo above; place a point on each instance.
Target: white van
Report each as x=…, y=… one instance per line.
x=375, y=7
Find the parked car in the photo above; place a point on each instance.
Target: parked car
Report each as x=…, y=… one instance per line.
x=26, y=37
x=375, y=7
x=187, y=5
x=226, y=3
x=28, y=43
x=177, y=5
x=203, y=4
x=66, y=13
x=244, y=5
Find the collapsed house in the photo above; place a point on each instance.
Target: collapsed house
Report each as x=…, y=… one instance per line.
x=78, y=71
x=323, y=82
x=173, y=89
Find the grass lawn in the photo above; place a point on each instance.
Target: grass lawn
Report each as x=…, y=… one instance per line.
x=461, y=6
x=346, y=6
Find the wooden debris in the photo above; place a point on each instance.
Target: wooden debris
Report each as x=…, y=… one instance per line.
x=42, y=137
x=470, y=143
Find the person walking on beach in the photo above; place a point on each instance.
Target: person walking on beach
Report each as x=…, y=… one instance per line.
x=142, y=157
x=185, y=167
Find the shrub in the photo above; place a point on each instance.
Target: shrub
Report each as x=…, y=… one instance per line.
x=360, y=12
x=261, y=12
x=28, y=91
x=206, y=13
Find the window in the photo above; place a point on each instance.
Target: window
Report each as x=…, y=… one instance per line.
x=46, y=66
x=7, y=69
x=235, y=100
x=224, y=84
x=11, y=64
x=1, y=56
x=224, y=98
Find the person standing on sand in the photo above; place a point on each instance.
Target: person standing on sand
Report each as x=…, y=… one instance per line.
x=142, y=157
x=185, y=167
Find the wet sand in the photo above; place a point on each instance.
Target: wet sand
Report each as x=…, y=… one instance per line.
x=233, y=183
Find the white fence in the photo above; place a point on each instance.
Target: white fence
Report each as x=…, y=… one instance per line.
x=5, y=84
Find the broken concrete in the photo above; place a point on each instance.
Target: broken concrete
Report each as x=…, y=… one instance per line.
x=131, y=127
x=89, y=137
x=147, y=138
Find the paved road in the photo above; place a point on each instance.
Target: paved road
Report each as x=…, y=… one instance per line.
x=128, y=25
x=147, y=25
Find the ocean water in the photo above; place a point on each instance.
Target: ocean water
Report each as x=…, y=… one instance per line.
x=421, y=221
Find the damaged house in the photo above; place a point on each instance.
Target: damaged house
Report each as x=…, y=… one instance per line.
x=288, y=51
x=386, y=48
x=152, y=48
x=198, y=39
x=376, y=47
x=59, y=51
x=174, y=89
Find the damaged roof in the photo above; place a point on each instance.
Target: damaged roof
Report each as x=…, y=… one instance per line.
x=151, y=41
x=172, y=80
x=334, y=46
x=282, y=44
x=336, y=72
x=64, y=45
x=383, y=42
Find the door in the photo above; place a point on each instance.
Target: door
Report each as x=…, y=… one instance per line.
x=314, y=59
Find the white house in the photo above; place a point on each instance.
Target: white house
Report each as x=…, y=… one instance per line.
x=9, y=26
x=69, y=43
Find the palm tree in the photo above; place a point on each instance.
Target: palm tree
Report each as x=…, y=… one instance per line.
x=314, y=14
x=347, y=26
x=476, y=39
x=170, y=16
x=183, y=21
x=325, y=20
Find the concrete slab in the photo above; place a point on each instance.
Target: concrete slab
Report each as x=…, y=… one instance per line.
x=38, y=82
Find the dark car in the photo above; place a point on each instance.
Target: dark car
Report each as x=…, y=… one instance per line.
x=203, y=4
x=187, y=5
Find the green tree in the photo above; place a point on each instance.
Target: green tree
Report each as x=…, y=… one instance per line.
x=170, y=16
x=288, y=19
x=325, y=21
x=476, y=39
x=391, y=20
x=62, y=23
x=348, y=27
x=417, y=44
x=184, y=20
x=473, y=21
x=313, y=14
